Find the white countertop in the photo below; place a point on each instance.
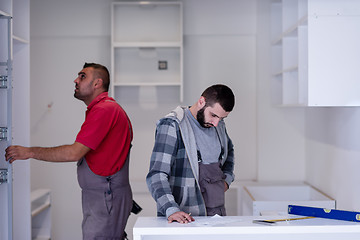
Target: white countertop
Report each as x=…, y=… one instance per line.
x=242, y=227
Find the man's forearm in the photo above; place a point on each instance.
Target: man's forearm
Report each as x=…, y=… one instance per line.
x=64, y=153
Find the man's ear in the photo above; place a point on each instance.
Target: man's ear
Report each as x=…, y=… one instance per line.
x=98, y=83
x=201, y=102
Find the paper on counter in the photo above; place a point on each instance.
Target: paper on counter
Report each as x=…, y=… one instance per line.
x=215, y=220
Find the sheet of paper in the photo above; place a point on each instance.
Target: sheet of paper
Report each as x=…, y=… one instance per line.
x=215, y=220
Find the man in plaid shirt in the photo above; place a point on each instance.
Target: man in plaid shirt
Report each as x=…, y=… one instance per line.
x=192, y=162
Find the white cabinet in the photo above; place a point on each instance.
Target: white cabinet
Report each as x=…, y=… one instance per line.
x=14, y=117
x=41, y=214
x=273, y=199
x=6, y=206
x=315, y=52
x=146, y=45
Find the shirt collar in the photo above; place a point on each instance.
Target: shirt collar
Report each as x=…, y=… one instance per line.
x=98, y=99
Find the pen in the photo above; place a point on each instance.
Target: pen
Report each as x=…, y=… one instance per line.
x=271, y=222
x=289, y=219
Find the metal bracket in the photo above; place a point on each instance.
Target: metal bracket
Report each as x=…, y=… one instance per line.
x=3, y=81
x=3, y=176
x=3, y=133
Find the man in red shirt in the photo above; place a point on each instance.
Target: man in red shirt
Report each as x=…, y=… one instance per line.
x=102, y=151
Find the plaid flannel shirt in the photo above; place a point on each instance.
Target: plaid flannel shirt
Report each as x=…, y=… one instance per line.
x=173, y=175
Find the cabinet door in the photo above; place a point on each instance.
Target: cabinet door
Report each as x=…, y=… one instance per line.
x=5, y=126
x=334, y=56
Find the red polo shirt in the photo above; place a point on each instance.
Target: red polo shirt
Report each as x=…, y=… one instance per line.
x=108, y=132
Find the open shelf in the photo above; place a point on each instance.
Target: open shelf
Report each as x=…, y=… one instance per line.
x=140, y=44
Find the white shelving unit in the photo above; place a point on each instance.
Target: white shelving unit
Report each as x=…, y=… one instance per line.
x=41, y=214
x=6, y=58
x=14, y=120
x=314, y=52
x=146, y=37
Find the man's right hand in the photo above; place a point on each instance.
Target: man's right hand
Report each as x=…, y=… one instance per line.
x=13, y=153
x=180, y=217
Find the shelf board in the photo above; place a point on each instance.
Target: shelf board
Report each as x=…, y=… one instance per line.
x=39, y=209
x=39, y=193
x=292, y=105
x=146, y=44
x=290, y=30
x=17, y=39
x=289, y=69
x=144, y=3
x=140, y=84
x=4, y=14
x=35, y=196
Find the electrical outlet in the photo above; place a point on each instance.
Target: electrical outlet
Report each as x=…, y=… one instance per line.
x=162, y=65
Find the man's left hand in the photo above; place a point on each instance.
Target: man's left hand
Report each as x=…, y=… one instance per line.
x=226, y=186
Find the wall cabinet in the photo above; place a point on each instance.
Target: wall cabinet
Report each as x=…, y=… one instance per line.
x=146, y=45
x=315, y=52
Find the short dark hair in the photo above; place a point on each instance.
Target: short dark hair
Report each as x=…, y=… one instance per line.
x=221, y=94
x=100, y=72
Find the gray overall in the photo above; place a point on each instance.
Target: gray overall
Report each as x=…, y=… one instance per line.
x=106, y=202
x=211, y=180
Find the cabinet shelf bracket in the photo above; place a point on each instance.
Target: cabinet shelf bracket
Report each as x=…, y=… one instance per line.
x=3, y=81
x=3, y=133
x=3, y=176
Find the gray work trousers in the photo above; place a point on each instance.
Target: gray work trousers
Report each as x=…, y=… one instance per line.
x=106, y=202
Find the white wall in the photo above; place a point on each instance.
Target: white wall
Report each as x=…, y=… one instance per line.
x=333, y=153
x=280, y=131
